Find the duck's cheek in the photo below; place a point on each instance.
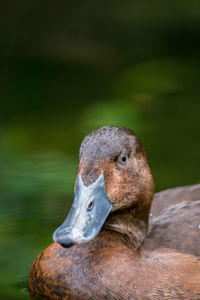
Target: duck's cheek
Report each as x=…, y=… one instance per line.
x=89, y=211
x=115, y=188
x=121, y=190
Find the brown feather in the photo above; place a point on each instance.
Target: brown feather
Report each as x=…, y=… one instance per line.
x=128, y=259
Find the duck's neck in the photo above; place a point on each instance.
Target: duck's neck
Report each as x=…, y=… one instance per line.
x=131, y=223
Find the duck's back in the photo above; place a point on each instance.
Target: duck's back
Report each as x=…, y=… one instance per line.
x=174, y=220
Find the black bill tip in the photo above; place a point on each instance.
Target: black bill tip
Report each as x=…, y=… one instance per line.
x=66, y=243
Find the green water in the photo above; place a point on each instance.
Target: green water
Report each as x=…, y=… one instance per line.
x=140, y=68
x=39, y=156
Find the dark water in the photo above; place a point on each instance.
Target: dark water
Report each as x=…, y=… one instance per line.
x=140, y=68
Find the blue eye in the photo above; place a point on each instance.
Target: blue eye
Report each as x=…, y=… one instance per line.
x=123, y=159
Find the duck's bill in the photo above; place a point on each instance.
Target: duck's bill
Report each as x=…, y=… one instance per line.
x=89, y=211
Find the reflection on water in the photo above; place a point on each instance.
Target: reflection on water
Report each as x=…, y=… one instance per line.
x=39, y=153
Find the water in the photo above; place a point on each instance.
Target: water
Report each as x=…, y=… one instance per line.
x=33, y=203
x=158, y=98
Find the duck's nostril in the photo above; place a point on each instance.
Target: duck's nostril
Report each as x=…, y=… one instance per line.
x=90, y=206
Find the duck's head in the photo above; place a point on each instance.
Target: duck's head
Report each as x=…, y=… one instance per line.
x=113, y=176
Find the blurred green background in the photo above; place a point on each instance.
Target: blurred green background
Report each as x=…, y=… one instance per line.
x=67, y=68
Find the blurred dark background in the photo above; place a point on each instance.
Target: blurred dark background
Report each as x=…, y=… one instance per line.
x=67, y=68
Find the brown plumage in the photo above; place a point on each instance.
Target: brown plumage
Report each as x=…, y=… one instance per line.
x=131, y=257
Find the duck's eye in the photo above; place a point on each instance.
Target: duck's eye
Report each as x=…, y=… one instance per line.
x=123, y=159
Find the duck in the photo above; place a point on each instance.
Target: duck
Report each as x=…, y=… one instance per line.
x=119, y=240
